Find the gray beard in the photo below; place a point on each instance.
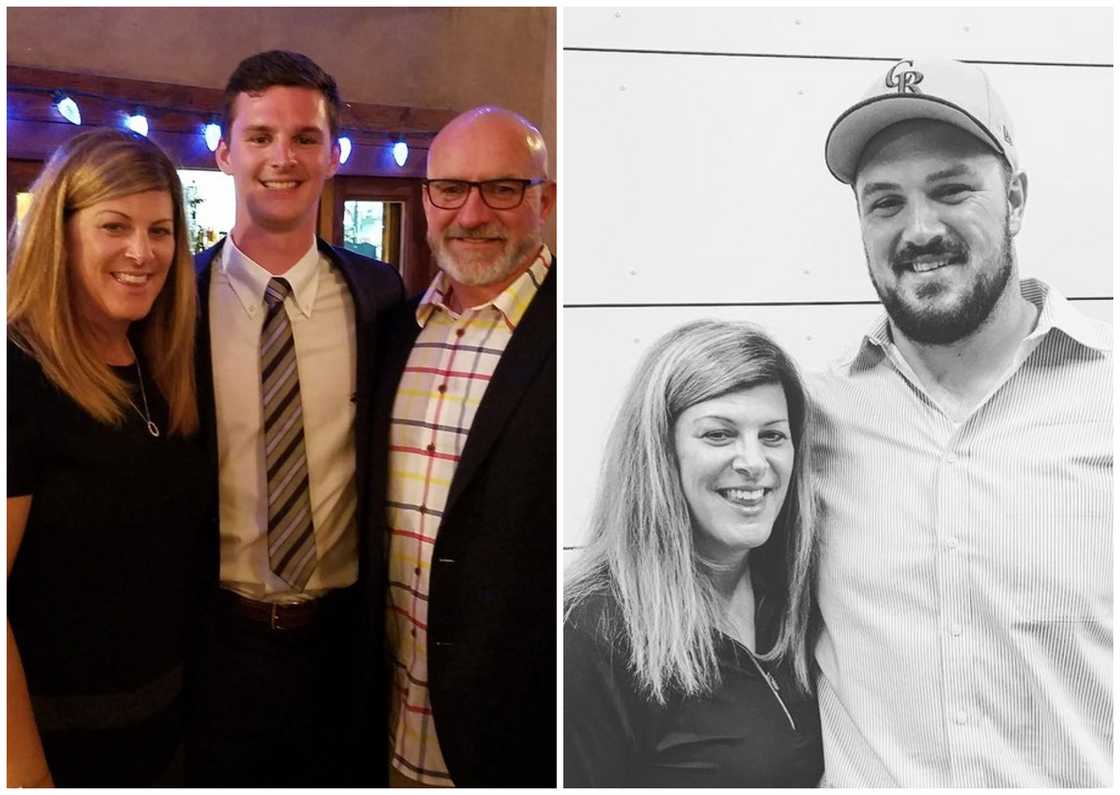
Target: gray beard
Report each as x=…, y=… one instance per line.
x=944, y=327
x=482, y=273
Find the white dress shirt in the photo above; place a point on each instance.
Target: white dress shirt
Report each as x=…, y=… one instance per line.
x=321, y=311
x=966, y=568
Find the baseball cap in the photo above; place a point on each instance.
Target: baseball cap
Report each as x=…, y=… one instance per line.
x=930, y=88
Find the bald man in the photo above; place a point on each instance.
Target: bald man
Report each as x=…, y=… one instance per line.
x=467, y=483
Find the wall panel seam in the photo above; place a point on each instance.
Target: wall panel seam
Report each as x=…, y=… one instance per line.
x=702, y=304
x=822, y=57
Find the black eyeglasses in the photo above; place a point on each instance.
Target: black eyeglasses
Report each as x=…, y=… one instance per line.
x=498, y=194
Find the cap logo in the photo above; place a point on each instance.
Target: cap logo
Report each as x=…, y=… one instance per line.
x=904, y=79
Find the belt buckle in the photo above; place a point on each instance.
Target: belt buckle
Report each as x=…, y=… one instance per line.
x=273, y=623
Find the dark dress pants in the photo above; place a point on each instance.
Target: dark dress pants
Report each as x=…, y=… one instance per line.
x=272, y=707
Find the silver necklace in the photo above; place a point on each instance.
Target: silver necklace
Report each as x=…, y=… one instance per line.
x=146, y=415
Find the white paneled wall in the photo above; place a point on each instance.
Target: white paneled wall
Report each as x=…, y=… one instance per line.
x=1024, y=35
x=694, y=174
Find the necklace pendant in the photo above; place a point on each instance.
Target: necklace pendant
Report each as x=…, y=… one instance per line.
x=153, y=429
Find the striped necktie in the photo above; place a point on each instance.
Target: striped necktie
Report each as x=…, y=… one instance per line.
x=291, y=534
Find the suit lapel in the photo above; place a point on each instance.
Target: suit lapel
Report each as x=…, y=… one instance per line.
x=363, y=314
x=363, y=310
x=532, y=344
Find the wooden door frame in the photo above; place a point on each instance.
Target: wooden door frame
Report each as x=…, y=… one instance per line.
x=416, y=266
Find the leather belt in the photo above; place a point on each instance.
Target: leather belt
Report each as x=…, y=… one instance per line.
x=278, y=616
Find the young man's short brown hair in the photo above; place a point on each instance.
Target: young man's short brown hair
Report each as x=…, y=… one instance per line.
x=280, y=68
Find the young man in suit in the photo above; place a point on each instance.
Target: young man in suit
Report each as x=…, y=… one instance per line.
x=464, y=498
x=284, y=392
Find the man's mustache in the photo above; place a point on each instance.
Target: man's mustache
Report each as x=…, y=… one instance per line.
x=937, y=248
x=475, y=232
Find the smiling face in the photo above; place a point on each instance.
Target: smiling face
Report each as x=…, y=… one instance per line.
x=735, y=454
x=476, y=246
x=120, y=252
x=279, y=152
x=937, y=215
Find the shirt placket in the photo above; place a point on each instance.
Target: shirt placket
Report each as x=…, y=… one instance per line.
x=440, y=411
x=952, y=529
x=955, y=625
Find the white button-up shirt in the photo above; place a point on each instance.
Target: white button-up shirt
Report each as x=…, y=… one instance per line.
x=966, y=569
x=321, y=311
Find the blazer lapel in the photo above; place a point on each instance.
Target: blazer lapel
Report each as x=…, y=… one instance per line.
x=532, y=344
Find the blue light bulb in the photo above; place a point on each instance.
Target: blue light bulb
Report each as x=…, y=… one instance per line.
x=137, y=122
x=400, y=153
x=68, y=108
x=212, y=134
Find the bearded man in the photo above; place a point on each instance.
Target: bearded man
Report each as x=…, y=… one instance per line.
x=465, y=491
x=964, y=462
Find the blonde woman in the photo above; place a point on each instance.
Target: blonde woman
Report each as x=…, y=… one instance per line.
x=106, y=476
x=688, y=617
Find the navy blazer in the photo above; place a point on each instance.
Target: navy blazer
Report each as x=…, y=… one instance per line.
x=375, y=287
x=492, y=605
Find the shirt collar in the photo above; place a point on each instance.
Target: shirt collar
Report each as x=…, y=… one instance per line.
x=1055, y=312
x=248, y=279
x=511, y=302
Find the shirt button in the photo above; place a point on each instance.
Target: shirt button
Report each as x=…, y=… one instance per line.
x=951, y=458
x=442, y=387
x=956, y=629
x=431, y=448
x=951, y=542
x=416, y=570
x=960, y=718
x=459, y=332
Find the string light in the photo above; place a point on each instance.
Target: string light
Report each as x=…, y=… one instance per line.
x=212, y=133
x=400, y=152
x=67, y=107
x=65, y=103
x=137, y=122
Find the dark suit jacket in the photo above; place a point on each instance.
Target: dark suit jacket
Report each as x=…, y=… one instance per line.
x=492, y=607
x=375, y=287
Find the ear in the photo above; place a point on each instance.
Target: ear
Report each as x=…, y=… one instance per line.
x=1016, y=202
x=221, y=157
x=548, y=200
x=336, y=155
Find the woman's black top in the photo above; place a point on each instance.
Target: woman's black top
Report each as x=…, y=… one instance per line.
x=98, y=596
x=742, y=735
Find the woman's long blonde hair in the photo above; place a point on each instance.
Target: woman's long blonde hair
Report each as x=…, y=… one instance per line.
x=641, y=551
x=43, y=320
